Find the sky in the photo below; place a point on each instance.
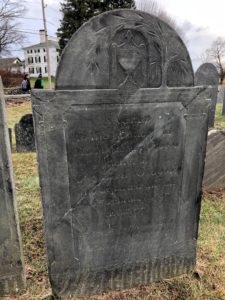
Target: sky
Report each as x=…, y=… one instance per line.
x=201, y=20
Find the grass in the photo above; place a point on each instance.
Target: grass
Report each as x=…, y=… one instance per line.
x=219, y=119
x=14, y=114
x=30, y=212
x=207, y=283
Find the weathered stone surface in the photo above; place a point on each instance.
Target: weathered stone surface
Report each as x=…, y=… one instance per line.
x=214, y=175
x=223, y=101
x=221, y=93
x=207, y=75
x=24, y=132
x=11, y=259
x=10, y=137
x=120, y=163
x=99, y=59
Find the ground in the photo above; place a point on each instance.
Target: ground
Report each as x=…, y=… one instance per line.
x=206, y=283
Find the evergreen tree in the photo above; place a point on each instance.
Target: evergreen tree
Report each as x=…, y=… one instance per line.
x=77, y=12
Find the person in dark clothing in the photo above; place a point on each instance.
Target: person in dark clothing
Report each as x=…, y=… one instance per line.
x=25, y=85
x=39, y=83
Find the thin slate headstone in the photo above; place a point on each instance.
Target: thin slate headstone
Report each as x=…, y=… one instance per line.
x=223, y=109
x=11, y=258
x=10, y=137
x=214, y=174
x=207, y=75
x=121, y=156
x=24, y=133
x=221, y=91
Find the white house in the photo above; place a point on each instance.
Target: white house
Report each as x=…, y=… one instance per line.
x=12, y=64
x=36, y=57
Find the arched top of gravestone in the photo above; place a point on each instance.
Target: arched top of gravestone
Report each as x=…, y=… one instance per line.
x=124, y=48
x=207, y=75
x=26, y=120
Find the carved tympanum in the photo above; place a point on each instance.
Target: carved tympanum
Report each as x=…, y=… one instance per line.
x=124, y=49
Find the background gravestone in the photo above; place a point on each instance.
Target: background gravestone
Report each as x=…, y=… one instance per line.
x=214, y=174
x=121, y=156
x=11, y=260
x=207, y=75
x=223, y=109
x=10, y=137
x=221, y=92
x=24, y=133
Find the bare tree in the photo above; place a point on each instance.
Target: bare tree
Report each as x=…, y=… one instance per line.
x=152, y=7
x=10, y=11
x=216, y=55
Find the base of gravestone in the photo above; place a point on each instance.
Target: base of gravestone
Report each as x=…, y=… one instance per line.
x=124, y=279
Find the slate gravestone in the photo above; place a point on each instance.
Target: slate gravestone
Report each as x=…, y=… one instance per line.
x=223, y=109
x=11, y=259
x=10, y=137
x=24, y=132
x=207, y=75
x=121, y=146
x=221, y=92
x=214, y=174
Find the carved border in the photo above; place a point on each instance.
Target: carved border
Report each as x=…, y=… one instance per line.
x=44, y=129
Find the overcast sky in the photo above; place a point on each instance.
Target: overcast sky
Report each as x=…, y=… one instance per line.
x=202, y=20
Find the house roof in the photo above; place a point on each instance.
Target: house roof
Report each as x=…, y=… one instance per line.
x=43, y=45
x=10, y=62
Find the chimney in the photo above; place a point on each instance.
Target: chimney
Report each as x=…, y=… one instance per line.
x=42, y=35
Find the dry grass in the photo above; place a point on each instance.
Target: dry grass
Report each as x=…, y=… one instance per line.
x=208, y=283
x=219, y=119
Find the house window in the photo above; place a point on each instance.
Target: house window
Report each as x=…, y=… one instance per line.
x=57, y=58
x=35, y=50
x=38, y=51
x=31, y=70
x=45, y=59
x=28, y=51
x=46, y=71
x=37, y=59
x=38, y=69
x=31, y=51
x=30, y=60
x=43, y=49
